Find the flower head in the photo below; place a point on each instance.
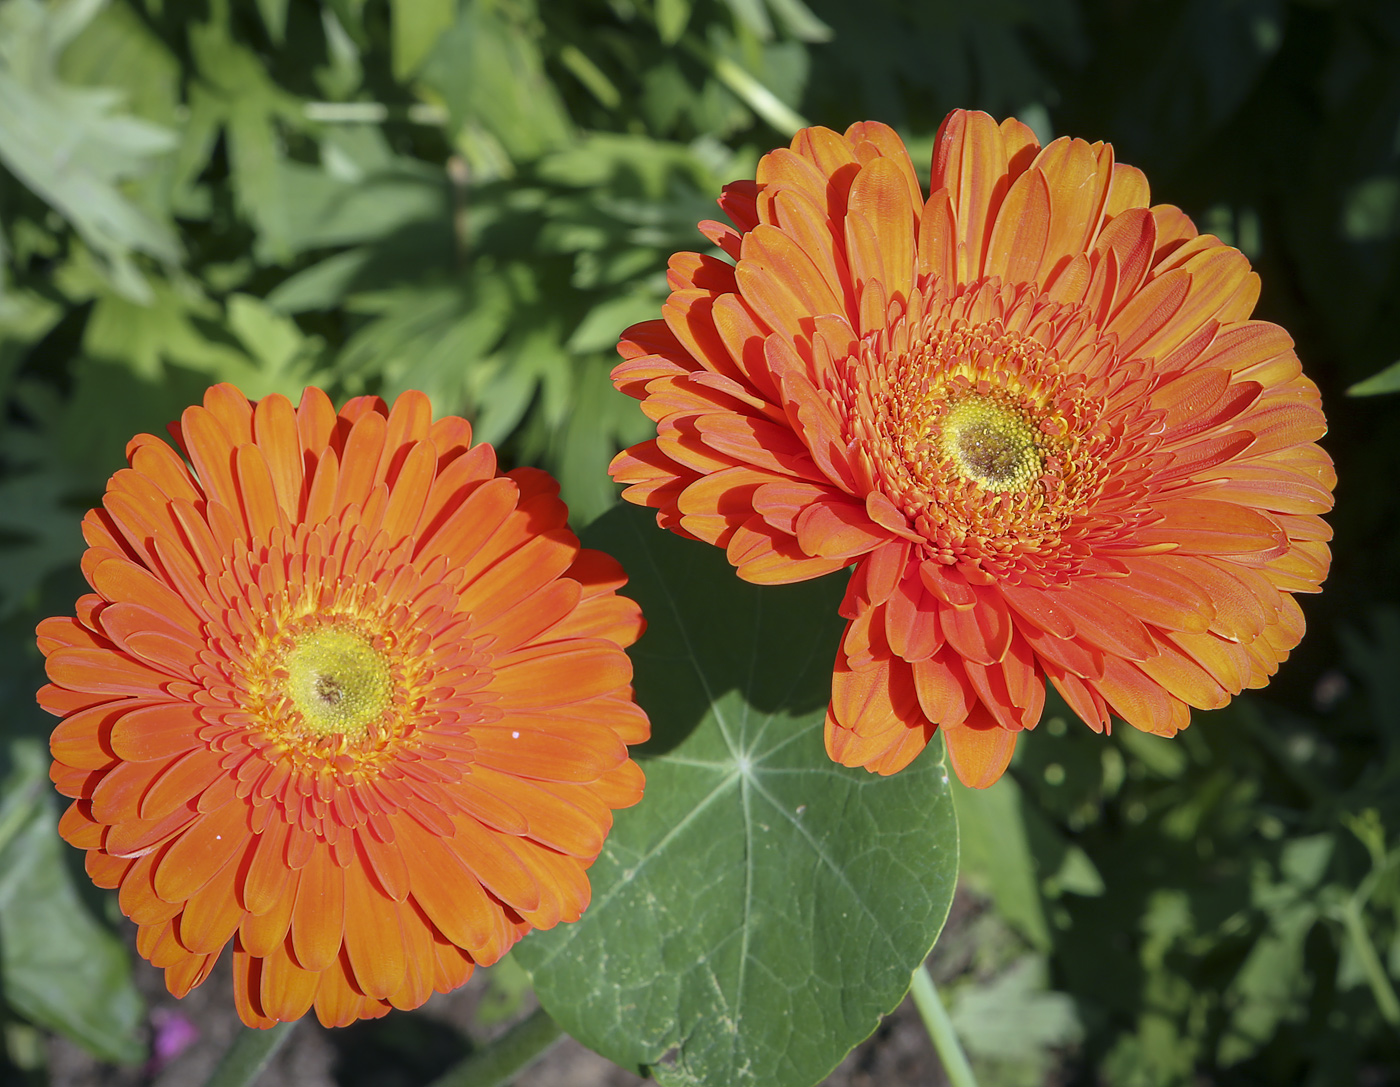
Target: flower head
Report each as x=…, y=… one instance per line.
x=1030, y=409
x=342, y=695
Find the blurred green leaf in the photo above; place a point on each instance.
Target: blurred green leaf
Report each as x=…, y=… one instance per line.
x=671, y=19
x=997, y=858
x=1383, y=381
x=489, y=70
x=238, y=95
x=1372, y=210
x=762, y=907
x=70, y=145
x=59, y=968
x=1013, y=1023
x=418, y=24
x=274, y=17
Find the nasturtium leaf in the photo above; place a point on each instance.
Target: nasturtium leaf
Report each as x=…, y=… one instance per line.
x=762, y=907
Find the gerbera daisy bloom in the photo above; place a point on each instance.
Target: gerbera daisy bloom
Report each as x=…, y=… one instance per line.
x=1030, y=408
x=342, y=695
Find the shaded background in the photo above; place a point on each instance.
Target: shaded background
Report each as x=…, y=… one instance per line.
x=473, y=197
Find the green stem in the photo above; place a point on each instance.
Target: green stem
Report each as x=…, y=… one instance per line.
x=940, y=1030
x=500, y=1061
x=1375, y=971
x=248, y=1056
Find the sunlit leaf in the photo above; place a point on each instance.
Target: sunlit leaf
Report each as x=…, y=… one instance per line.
x=490, y=71
x=762, y=907
x=73, y=147
x=418, y=24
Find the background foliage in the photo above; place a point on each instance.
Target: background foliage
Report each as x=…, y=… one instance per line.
x=473, y=197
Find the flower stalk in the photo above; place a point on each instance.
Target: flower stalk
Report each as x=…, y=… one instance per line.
x=940, y=1029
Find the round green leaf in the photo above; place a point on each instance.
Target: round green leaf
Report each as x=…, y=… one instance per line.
x=762, y=908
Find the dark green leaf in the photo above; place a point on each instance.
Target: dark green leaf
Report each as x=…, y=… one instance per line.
x=762, y=907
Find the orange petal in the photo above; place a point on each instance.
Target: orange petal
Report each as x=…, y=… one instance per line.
x=978, y=756
x=318, y=918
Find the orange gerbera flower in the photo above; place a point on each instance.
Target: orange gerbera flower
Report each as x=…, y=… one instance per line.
x=1030, y=408
x=343, y=695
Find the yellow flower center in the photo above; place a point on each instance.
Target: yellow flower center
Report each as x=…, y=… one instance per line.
x=337, y=680
x=991, y=444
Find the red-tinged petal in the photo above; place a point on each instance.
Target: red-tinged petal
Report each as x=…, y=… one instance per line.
x=199, y=854
x=77, y=827
x=938, y=243
x=285, y=991
x=1155, y=593
x=556, y=675
x=946, y=694
x=149, y=732
x=781, y=282
x=548, y=748
x=102, y=672
x=261, y=933
x=1021, y=234
x=318, y=917
x=550, y=819
x=715, y=504
x=120, y=581
x=210, y=449
x=491, y=859
x=1128, y=189
x=881, y=226
x=211, y=915
x=884, y=752
x=450, y=895
x=138, y=898
x=1132, y=237
x=566, y=887
x=1086, y=702
x=819, y=429
x=338, y=1003
x=969, y=160
x=765, y=556
x=837, y=529
x=869, y=700
x=118, y=792
x=189, y=972
x=1199, y=526
x=267, y=880
x=420, y=959
x=1078, y=178
x=1038, y=608
x=181, y=780
x=375, y=943
x=462, y=534
x=979, y=756
x=1134, y=697
x=83, y=740
x=1101, y=622
x=911, y=620
x=980, y=633
x=529, y=568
